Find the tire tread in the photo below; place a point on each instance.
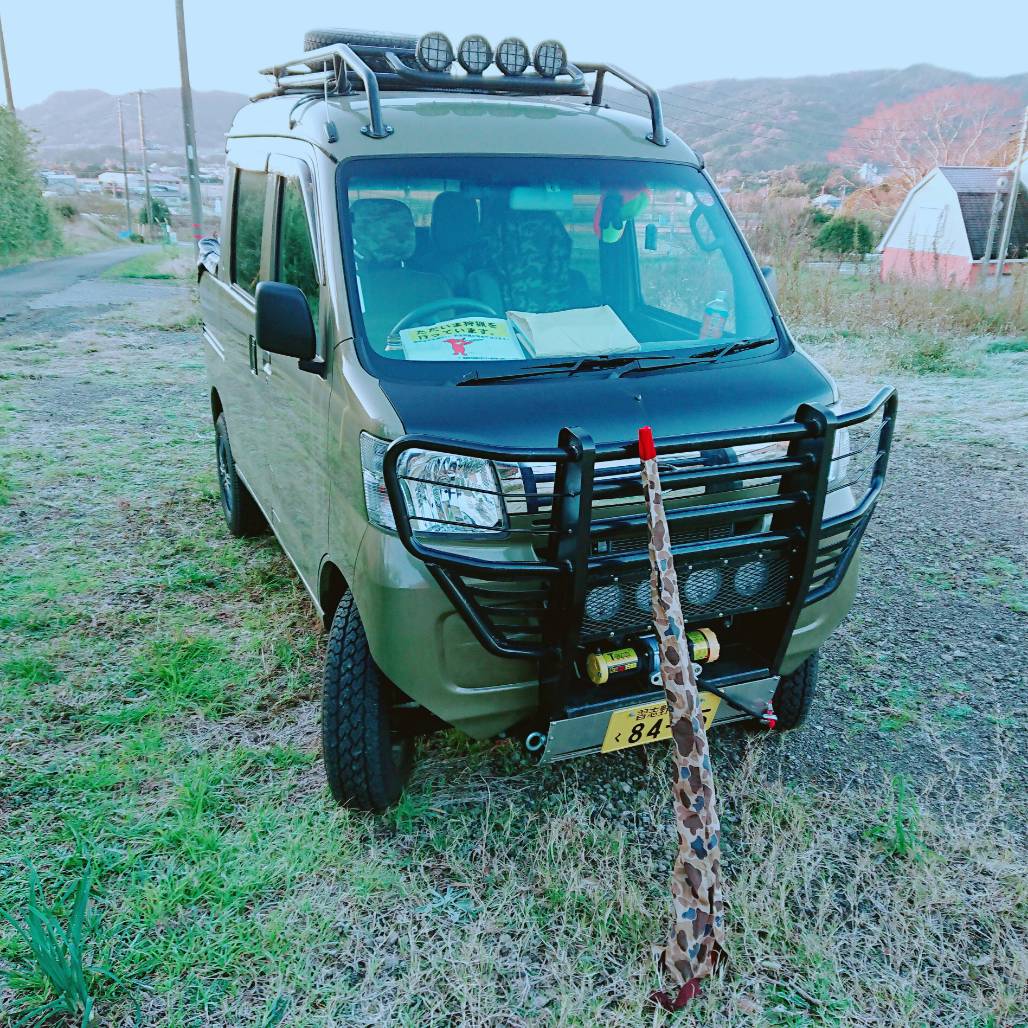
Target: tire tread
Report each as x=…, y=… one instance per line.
x=356, y=743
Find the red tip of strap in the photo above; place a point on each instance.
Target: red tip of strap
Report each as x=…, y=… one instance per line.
x=689, y=991
x=647, y=450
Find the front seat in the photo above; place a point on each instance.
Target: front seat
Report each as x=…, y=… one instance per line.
x=383, y=242
x=456, y=238
x=529, y=266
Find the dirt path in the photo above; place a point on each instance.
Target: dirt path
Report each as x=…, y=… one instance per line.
x=21, y=285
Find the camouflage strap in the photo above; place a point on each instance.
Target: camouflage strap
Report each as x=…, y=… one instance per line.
x=697, y=936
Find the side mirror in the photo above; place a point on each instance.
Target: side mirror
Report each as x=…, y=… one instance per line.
x=208, y=253
x=771, y=279
x=650, y=237
x=284, y=322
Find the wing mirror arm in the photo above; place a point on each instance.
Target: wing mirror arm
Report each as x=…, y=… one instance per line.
x=315, y=367
x=285, y=325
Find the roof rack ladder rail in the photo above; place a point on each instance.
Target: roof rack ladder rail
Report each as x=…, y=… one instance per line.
x=571, y=521
x=658, y=135
x=342, y=57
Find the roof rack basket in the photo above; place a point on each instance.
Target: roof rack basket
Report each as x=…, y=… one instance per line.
x=341, y=69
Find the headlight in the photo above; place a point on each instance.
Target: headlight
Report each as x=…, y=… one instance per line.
x=750, y=578
x=840, y=457
x=444, y=493
x=776, y=451
x=702, y=587
x=602, y=603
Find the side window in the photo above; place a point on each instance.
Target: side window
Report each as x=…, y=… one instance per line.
x=248, y=229
x=295, y=263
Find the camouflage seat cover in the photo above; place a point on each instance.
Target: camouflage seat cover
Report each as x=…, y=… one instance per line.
x=530, y=260
x=383, y=231
x=383, y=241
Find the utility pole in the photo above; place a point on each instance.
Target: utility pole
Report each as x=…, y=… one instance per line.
x=188, y=125
x=7, y=71
x=1015, y=192
x=124, y=167
x=146, y=170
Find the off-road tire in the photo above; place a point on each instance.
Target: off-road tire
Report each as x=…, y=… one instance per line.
x=795, y=694
x=242, y=515
x=317, y=38
x=366, y=766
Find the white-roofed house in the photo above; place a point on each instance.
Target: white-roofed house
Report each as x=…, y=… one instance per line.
x=941, y=232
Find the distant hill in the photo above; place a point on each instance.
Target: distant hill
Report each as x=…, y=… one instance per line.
x=754, y=125
x=746, y=125
x=82, y=124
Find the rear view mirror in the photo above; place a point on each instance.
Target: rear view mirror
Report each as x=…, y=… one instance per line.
x=284, y=322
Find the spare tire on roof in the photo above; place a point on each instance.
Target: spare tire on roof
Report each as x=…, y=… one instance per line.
x=317, y=38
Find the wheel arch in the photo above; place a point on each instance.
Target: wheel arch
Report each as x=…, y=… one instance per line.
x=332, y=587
x=217, y=407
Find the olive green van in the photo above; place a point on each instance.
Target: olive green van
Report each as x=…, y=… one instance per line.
x=450, y=287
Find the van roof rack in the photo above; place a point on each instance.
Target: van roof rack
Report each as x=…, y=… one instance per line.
x=341, y=69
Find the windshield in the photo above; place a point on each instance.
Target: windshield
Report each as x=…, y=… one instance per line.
x=501, y=263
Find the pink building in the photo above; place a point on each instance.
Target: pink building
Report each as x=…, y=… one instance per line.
x=941, y=232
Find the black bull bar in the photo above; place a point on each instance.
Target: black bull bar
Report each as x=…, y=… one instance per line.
x=723, y=513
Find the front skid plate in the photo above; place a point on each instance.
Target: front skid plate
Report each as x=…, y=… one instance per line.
x=578, y=736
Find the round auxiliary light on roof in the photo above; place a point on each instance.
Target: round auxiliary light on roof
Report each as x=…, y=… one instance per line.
x=435, y=52
x=512, y=56
x=550, y=58
x=474, y=54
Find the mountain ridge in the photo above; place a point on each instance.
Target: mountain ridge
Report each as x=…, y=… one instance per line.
x=741, y=125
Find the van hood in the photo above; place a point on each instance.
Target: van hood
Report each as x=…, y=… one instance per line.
x=529, y=413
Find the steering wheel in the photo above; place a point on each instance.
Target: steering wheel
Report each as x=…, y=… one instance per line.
x=453, y=303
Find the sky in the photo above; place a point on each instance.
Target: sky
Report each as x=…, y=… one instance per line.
x=122, y=45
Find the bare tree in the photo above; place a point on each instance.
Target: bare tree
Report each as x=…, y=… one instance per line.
x=954, y=125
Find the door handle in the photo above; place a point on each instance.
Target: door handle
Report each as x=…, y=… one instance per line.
x=251, y=346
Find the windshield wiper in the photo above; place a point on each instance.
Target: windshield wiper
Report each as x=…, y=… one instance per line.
x=598, y=362
x=704, y=356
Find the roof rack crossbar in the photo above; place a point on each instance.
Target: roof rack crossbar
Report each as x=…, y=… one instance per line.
x=658, y=135
x=288, y=78
x=303, y=75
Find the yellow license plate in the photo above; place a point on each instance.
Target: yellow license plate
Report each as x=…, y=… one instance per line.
x=636, y=726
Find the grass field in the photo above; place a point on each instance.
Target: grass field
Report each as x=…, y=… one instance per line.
x=159, y=748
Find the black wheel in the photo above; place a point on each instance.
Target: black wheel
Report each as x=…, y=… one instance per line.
x=242, y=515
x=795, y=694
x=367, y=764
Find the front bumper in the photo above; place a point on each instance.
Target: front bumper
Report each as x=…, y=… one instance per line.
x=524, y=624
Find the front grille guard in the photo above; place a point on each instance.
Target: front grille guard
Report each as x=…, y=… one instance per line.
x=536, y=607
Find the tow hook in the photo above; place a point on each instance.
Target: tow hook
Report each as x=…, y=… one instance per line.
x=535, y=741
x=769, y=717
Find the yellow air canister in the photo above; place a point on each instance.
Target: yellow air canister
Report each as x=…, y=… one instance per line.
x=600, y=666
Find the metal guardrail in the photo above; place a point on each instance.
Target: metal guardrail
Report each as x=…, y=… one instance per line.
x=535, y=607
